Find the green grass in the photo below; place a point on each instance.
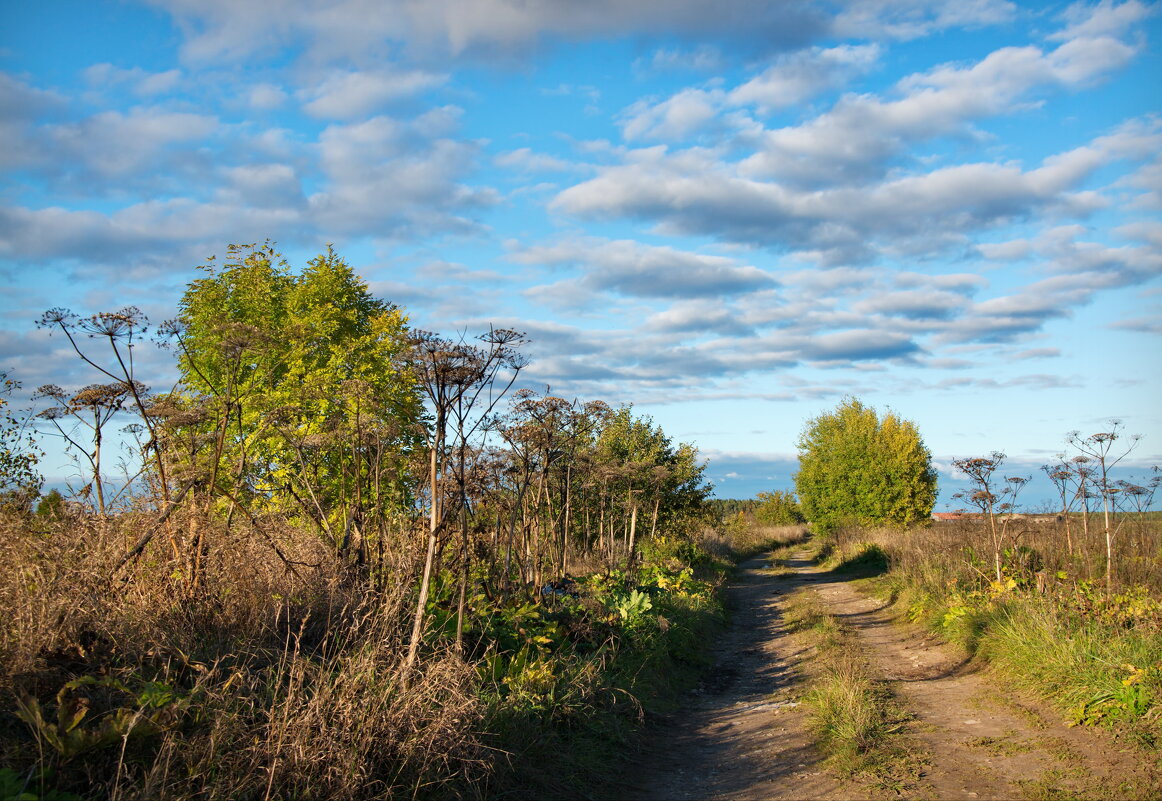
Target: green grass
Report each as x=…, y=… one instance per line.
x=857, y=719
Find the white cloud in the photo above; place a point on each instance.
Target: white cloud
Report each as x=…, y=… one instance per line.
x=110, y=153
x=690, y=192
x=168, y=189
x=633, y=269
x=861, y=134
x=141, y=82
x=916, y=304
x=1036, y=353
x=911, y=19
x=1107, y=18
x=797, y=77
x=700, y=317
x=525, y=160
x=791, y=80
x=349, y=94
x=20, y=105
x=498, y=29
x=702, y=58
x=265, y=96
x=677, y=117
x=263, y=186
x=1148, y=177
x=1012, y=250
x=385, y=177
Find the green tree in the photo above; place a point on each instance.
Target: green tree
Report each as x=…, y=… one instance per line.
x=857, y=467
x=302, y=398
x=655, y=477
x=51, y=504
x=778, y=508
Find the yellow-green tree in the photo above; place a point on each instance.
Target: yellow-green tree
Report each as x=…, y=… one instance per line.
x=296, y=387
x=778, y=508
x=19, y=454
x=857, y=467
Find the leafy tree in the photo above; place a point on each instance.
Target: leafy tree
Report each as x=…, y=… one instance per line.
x=644, y=464
x=778, y=508
x=297, y=386
x=724, y=509
x=855, y=466
x=51, y=504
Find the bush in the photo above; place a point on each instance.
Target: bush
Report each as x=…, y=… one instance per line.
x=855, y=467
x=779, y=509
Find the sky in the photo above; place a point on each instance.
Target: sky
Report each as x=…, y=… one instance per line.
x=731, y=215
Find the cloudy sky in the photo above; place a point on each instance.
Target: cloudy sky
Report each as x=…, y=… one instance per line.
x=731, y=214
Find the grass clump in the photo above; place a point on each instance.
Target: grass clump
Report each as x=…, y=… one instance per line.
x=855, y=716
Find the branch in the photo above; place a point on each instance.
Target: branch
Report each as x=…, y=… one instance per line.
x=139, y=546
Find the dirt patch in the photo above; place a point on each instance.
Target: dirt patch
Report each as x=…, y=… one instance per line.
x=744, y=735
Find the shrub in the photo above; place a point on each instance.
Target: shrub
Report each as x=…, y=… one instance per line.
x=855, y=466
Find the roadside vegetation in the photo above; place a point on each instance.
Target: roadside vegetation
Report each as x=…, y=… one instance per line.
x=340, y=559
x=1049, y=626
x=854, y=713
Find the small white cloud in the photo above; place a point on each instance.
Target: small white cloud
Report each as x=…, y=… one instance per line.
x=140, y=81
x=1013, y=250
x=345, y=95
x=702, y=58
x=796, y=78
x=676, y=117
x=526, y=160
x=1107, y=18
x=265, y=97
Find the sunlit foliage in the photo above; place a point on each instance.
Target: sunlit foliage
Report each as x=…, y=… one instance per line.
x=858, y=467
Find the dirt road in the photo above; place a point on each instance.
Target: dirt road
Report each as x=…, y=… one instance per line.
x=744, y=734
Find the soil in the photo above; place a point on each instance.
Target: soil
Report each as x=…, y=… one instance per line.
x=745, y=735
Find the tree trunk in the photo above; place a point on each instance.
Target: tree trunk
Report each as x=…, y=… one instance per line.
x=430, y=556
x=565, y=523
x=629, y=559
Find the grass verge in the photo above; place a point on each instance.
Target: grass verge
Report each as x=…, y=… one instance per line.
x=857, y=719
x=1093, y=655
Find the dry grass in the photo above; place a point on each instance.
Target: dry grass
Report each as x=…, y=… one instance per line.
x=279, y=676
x=938, y=552
x=735, y=542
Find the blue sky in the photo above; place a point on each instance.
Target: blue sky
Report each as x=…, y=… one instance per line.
x=731, y=215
